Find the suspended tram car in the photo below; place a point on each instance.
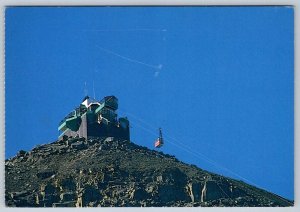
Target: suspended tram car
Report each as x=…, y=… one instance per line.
x=159, y=142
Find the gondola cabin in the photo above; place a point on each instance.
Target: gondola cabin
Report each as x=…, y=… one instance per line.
x=159, y=142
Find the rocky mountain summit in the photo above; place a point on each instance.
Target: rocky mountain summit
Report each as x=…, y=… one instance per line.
x=105, y=172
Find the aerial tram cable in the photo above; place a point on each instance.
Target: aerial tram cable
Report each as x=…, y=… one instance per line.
x=170, y=138
x=200, y=156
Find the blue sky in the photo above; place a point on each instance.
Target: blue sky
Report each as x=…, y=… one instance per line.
x=218, y=80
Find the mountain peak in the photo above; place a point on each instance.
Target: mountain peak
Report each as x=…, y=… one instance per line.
x=107, y=171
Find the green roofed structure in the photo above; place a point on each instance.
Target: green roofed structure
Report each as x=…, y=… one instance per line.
x=95, y=119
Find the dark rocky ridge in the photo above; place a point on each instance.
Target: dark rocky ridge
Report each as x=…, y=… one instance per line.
x=107, y=172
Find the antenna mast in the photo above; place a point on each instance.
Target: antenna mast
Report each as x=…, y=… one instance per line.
x=85, y=89
x=94, y=89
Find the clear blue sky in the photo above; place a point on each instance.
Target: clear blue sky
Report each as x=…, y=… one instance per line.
x=218, y=80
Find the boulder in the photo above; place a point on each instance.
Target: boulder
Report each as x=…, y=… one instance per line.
x=78, y=146
x=45, y=174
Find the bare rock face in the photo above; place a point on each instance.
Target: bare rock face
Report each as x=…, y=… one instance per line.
x=105, y=172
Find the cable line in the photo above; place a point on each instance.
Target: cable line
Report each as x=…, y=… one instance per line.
x=182, y=146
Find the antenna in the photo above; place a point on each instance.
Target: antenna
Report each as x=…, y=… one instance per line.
x=94, y=89
x=85, y=89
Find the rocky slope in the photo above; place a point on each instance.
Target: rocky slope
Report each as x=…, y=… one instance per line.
x=106, y=172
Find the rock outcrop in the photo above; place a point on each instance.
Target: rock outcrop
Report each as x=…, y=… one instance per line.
x=105, y=172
